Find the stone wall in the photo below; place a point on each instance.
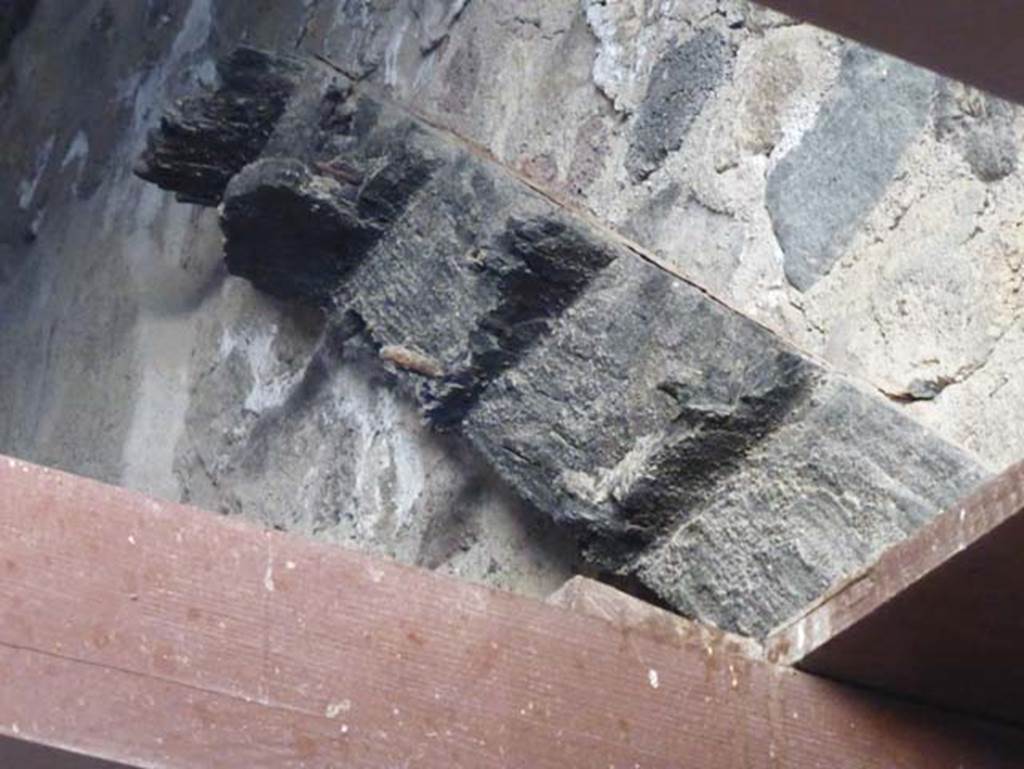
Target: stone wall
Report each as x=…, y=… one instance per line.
x=702, y=130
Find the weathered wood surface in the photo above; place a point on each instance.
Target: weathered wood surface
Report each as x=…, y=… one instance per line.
x=939, y=617
x=162, y=636
x=977, y=42
x=596, y=599
x=17, y=754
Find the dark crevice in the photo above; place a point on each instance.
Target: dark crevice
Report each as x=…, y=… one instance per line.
x=15, y=16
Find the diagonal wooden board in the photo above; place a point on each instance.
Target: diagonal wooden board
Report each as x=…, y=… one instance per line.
x=156, y=635
x=977, y=42
x=18, y=754
x=939, y=617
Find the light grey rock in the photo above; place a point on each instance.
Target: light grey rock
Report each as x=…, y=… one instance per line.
x=820, y=497
x=824, y=187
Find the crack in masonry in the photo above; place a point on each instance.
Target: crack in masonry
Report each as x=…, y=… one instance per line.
x=311, y=8
x=435, y=42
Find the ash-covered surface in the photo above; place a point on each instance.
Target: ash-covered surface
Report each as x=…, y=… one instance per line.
x=681, y=443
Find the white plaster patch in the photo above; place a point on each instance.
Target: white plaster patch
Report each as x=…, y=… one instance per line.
x=78, y=150
x=271, y=381
x=391, y=53
x=27, y=187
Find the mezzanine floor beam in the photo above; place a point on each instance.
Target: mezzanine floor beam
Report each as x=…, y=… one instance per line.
x=156, y=635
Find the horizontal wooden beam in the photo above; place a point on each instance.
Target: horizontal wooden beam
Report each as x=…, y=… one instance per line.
x=975, y=41
x=156, y=635
x=17, y=754
x=939, y=617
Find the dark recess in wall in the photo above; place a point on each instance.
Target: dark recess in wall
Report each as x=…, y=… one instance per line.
x=14, y=17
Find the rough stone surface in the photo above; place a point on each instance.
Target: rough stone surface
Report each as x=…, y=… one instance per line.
x=122, y=336
x=621, y=401
x=198, y=156
x=682, y=81
x=820, y=191
x=982, y=127
x=835, y=483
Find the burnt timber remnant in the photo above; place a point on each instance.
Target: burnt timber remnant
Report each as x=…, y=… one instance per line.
x=684, y=444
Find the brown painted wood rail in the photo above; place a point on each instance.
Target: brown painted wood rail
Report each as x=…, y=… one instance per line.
x=976, y=41
x=155, y=635
x=939, y=617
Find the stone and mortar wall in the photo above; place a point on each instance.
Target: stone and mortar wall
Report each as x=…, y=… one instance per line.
x=696, y=128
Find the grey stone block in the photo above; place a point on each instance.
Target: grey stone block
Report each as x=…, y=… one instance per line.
x=822, y=189
x=682, y=81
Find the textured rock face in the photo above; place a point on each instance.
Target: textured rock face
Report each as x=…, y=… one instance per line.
x=631, y=407
x=130, y=354
x=821, y=190
x=681, y=83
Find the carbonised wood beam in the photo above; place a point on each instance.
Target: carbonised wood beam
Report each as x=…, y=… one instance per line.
x=156, y=635
x=977, y=41
x=939, y=617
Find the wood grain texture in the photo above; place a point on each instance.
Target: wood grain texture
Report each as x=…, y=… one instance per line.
x=17, y=754
x=977, y=42
x=161, y=636
x=939, y=617
x=583, y=595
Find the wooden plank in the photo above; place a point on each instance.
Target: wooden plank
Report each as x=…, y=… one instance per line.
x=939, y=617
x=16, y=754
x=160, y=636
x=629, y=614
x=977, y=42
